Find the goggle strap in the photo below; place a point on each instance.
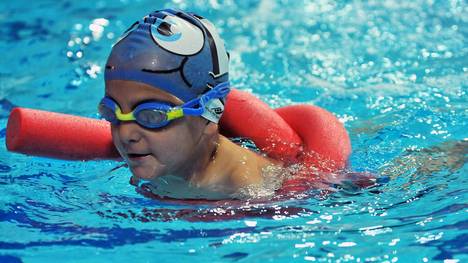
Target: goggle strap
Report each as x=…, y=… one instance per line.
x=194, y=112
x=219, y=91
x=191, y=103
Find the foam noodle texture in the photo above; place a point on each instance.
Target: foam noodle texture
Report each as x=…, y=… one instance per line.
x=326, y=142
x=248, y=116
x=298, y=133
x=56, y=135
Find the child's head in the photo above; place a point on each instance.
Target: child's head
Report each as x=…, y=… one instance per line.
x=168, y=58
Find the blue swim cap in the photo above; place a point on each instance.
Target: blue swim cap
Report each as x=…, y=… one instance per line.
x=178, y=52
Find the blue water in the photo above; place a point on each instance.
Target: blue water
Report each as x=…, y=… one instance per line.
x=395, y=72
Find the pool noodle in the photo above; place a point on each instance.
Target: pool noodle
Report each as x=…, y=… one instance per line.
x=61, y=136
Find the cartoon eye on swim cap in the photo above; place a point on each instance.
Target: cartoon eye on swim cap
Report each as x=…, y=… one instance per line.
x=176, y=35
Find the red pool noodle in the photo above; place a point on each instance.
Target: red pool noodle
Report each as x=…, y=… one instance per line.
x=297, y=133
x=326, y=143
x=61, y=136
x=248, y=116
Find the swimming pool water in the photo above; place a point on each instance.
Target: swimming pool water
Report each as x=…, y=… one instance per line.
x=395, y=72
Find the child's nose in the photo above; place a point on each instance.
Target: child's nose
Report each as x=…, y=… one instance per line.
x=129, y=132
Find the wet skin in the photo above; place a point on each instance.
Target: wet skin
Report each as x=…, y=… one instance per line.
x=189, y=148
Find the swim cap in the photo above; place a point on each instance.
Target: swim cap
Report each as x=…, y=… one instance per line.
x=178, y=52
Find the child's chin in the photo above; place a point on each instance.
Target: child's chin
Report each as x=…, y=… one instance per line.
x=144, y=173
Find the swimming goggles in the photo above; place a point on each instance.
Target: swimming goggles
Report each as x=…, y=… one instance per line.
x=154, y=115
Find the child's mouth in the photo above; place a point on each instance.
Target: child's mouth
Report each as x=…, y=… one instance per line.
x=137, y=155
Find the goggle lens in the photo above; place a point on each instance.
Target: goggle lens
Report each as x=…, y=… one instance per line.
x=151, y=118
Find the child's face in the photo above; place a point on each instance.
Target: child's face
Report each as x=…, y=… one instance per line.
x=153, y=152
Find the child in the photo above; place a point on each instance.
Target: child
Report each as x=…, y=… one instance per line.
x=166, y=82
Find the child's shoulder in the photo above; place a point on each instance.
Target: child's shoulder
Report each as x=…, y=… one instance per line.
x=245, y=160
